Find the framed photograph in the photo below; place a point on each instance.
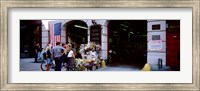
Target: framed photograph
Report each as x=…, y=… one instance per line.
x=99, y=45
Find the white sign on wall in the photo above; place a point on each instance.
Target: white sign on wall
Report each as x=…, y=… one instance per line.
x=155, y=45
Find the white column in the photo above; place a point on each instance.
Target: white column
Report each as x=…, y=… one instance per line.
x=63, y=32
x=89, y=23
x=153, y=55
x=104, y=42
x=45, y=36
x=104, y=38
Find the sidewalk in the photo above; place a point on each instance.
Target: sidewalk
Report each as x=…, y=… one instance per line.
x=28, y=64
x=155, y=67
x=119, y=68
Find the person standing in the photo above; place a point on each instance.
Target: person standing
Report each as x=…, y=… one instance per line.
x=70, y=57
x=57, y=53
x=39, y=50
x=63, y=55
x=36, y=51
x=48, y=57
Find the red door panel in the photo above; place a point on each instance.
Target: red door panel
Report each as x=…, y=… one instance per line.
x=173, y=49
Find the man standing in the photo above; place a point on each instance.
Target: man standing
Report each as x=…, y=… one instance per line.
x=63, y=55
x=57, y=52
x=37, y=50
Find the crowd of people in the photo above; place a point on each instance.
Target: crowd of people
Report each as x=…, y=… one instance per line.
x=63, y=54
x=60, y=54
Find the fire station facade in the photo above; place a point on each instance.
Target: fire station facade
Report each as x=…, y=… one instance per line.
x=158, y=44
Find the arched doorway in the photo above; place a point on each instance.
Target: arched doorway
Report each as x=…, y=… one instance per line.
x=76, y=33
x=127, y=41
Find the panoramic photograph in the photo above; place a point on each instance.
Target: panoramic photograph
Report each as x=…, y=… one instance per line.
x=99, y=45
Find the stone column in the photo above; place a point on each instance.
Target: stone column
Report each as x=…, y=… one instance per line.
x=89, y=23
x=45, y=36
x=104, y=38
x=63, y=32
x=156, y=46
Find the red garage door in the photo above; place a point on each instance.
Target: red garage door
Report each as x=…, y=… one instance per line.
x=173, y=44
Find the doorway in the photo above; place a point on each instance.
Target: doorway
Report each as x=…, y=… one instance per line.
x=127, y=41
x=30, y=34
x=76, y=33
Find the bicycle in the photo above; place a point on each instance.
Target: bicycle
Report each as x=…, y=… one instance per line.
x=44, y=64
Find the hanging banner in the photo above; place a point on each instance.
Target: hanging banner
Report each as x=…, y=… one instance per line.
x=155, y=45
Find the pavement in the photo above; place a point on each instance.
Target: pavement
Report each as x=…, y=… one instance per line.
x=119, y=68
x=28, y=64
x=155, y=67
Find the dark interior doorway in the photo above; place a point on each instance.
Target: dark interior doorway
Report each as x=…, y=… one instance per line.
x=127, y=41
x=30, y=34
x=76, y=30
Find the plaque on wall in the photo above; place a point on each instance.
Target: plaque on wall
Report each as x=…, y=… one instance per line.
x=155, y=37
x=156, y=27
x=155, y=45
x=95, y=34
